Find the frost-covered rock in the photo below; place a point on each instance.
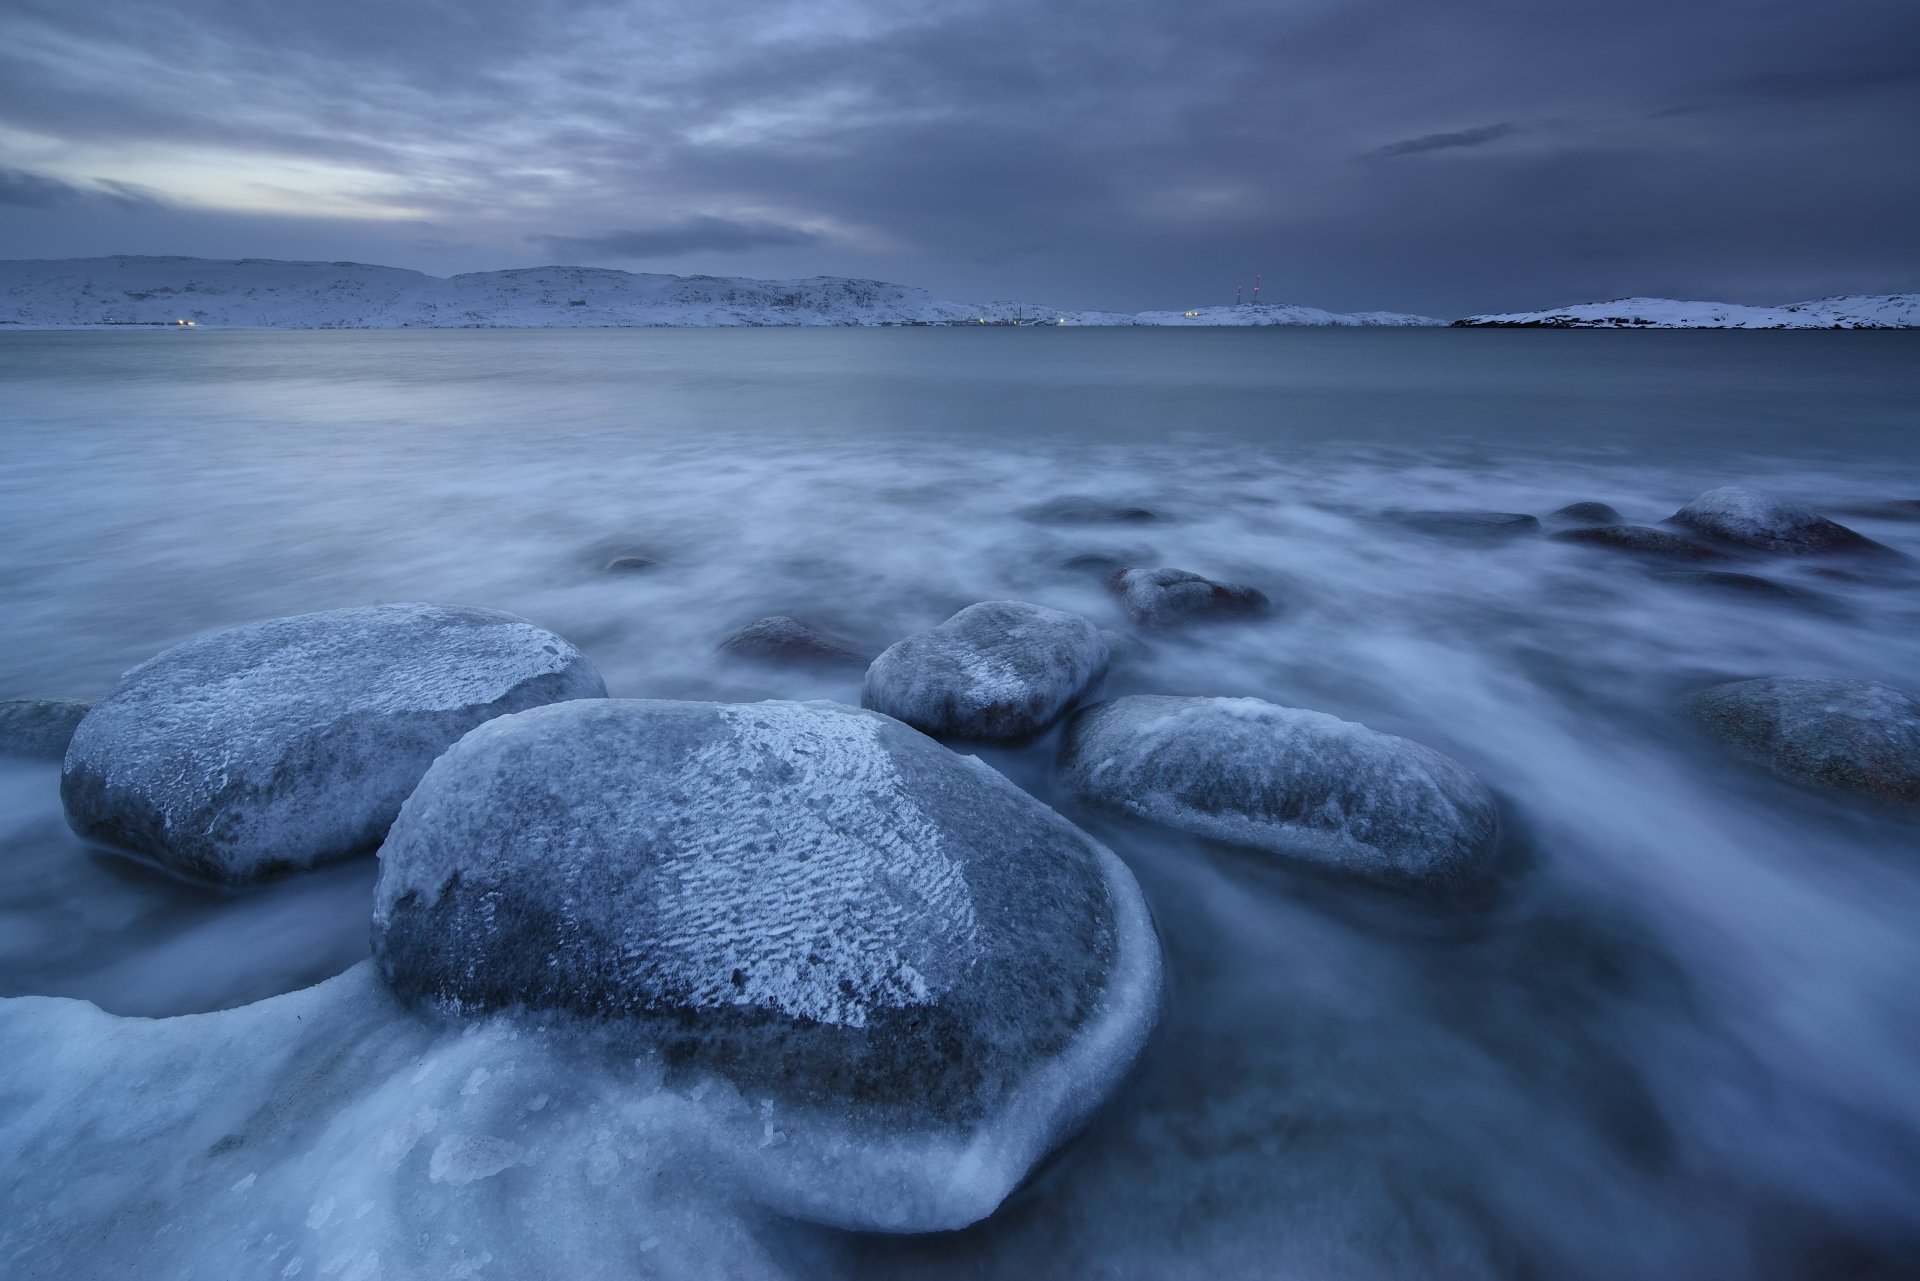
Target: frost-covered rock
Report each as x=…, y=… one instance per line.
x=891, y=943
x=1849, y=736
x=1290, y=781
x=779, y=638
x=1466, y=525
x=1001, y=670
x=1165, y=597
x=1589, y=514
x=39, y=727
x=1766, y=522
x=1641, y=540
x=289, y=743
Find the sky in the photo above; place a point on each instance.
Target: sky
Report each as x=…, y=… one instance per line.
x=1445, y=158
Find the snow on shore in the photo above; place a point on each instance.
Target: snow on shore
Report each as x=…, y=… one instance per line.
x=1858, y=311
x=272, y=294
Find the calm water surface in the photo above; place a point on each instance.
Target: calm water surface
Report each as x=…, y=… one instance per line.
x=1680, y=1037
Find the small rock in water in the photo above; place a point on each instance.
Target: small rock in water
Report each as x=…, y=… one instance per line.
x=1751, y=518
x=1466, y=526
x=271, y=748
x=1640, y=539
x=1286, y=780
x=39, y=728
x=889, y=941
x=1858, y=737
x=1897, y=509
x=1075, y=510
x=1722, y=581
x=1001, y=670
x=1165, y=597
x=1589, y=514
x=783, y=639
x=629, y=564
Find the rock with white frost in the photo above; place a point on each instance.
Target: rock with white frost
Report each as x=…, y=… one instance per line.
x=1168, y=597
x=881, y=937
x=290, y=743
x=1768, y=523
x=1851, y=736
x=39, y=728
x=1289, y=781
x=999, y=671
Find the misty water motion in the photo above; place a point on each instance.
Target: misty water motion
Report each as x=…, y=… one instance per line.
x=1672, y=1033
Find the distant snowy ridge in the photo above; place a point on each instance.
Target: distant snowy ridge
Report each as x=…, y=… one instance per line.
x=1857, y=311
x=265, y=293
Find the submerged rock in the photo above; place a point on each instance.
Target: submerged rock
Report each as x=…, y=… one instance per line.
x=629, y=564
x=1165, y=597
x=783, y=639
x=1850, y=736
x=1001, y=670
x=1722, y=581
x=1589, y=514
x=1640, y=539
x=830, y=909
x=276, y=747
x=39, y=728
x=1076, y=510
x=1466, y=526
x=1765, y=522
x=1286, y=780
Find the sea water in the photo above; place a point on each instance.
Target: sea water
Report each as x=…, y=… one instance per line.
x=1678, y=1036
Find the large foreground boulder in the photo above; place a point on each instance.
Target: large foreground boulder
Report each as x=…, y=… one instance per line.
x=1001, y=671
x=1858, y=737
x=39, y=728
x=1168, y=597
x=1290, y=781
x=276, y=747
x=1768, y=523
x=816, y=902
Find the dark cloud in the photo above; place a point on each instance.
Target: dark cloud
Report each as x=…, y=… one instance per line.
x=1125, y=153
x=1447, y=141
x=671, y=240
x=22, y=189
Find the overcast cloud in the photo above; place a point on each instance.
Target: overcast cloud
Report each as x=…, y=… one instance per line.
x=1485, y=154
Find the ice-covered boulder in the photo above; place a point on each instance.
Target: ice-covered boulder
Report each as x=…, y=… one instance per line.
x=780, y=639
x=1641, y=540
x=1167, y=597
x=266, y=749
x=898, y=949
x=1768, y=523
x=39, y=728
x=1001, y=670
x=1290, y=781
x=1844, y=735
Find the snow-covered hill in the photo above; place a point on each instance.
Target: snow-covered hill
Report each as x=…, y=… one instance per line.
x=272, y=294
x=1859, y=311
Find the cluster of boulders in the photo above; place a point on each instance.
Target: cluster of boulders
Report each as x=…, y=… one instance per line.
x=821, y=903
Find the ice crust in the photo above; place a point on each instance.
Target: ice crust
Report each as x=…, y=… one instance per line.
x=812, y=900
x=1766, y=522
x=1283, y=779
x=1851, y=736
x=292, y=742
x=998, y=670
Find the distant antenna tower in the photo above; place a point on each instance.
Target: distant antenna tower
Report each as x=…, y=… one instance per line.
x=1236, y=294
x=1256, y=289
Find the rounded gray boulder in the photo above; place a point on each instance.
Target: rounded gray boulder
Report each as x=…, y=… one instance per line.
x=1858, y=737
x=998, y=671
x=1768, y=523
x=825, y=907
x=1286, y=780
x=1168, y=597
x=290, y=743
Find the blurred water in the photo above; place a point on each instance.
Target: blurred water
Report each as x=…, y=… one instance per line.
x=1679, y=1037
